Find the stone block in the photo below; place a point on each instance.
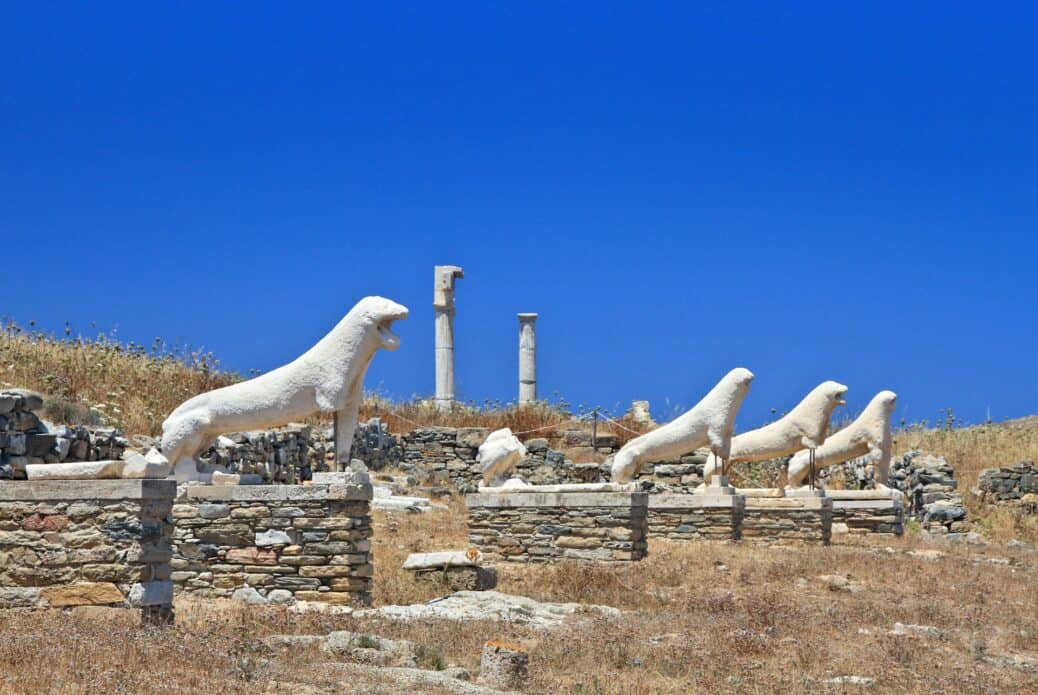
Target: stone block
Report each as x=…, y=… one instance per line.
x=82, y=594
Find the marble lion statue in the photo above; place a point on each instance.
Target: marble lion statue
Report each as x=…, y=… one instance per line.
x=803, y=427
x=868, y=435
x=709, y=422
x=498, y=456
x=329, y=377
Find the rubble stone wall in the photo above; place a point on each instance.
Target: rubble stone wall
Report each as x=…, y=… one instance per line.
x=1016, y=486
x=309, y=543
x=931, y=491
x=25, y=439
x=447, y=456
x=547, y=527
x=87, y=542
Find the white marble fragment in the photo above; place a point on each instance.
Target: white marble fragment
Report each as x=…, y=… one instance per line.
x=151, y=594
x=447, y=558
x=281, y=597
x=498, y=456
x=219, y=478
x=247, y=594
x=150, y=465
x=78, y=470
x=492, y=605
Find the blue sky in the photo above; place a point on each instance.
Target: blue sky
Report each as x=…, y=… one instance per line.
x=833, y=191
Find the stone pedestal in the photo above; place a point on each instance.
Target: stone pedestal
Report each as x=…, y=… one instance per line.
x=867, y=512
x=530, y=526
x=313, y=541
x=712, y=513
x=804, y=516
x=87, y=542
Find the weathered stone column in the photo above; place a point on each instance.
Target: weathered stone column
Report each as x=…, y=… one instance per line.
x=443, y=303
x=527, y=358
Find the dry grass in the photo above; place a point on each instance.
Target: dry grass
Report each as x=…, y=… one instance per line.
x=697, y=617
x=972, y=449
x=101, y=381
x=542, y=418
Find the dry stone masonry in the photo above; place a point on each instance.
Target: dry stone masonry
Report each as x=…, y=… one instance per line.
x=1016, y=486
x=683, y=517
x=779, y=519
x=288, y=542
x=929, y=485
x=78, y=543
x=284, y=455
x=545, y=527
x=26, y=439
x=447, y=456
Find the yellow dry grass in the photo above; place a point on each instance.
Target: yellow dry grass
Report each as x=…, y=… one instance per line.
x=970, y=450
x=102, y=381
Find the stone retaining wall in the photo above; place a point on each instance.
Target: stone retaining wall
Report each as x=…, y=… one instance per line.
x=1016, y=486
x=546, y=527
x=703, y=517
x=87, y=542
x=288, y=542
x=447, y=456
x=781, y=519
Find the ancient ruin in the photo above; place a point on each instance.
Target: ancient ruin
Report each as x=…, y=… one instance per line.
x=527, y=358
x=329, y=377
x=444, y=277
x=868, y=435
x=499, y=455
x=803, y=427
x=709, y=422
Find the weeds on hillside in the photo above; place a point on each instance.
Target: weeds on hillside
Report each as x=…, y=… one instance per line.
x=100, y=380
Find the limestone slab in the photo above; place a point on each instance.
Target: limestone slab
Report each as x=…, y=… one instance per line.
x=447, y=558
x=695, y=501
x=558, y=499
x=279, y=493
x=56, y=490
x=82, y=594
x=79, y=470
